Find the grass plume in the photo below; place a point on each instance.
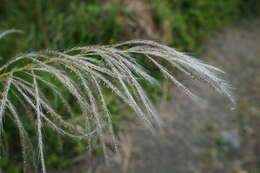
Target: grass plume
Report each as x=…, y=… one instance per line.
x=84, y=72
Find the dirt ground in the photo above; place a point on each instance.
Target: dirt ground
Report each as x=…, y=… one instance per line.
x=211, y=137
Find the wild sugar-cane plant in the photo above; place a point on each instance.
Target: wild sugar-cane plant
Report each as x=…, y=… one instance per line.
x=84, y=72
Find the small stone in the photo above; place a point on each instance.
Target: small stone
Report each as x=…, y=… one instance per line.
x=232, y=138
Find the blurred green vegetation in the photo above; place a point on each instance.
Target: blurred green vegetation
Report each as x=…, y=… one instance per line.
x=57, y=24
x=63, y=24
x=188, y=21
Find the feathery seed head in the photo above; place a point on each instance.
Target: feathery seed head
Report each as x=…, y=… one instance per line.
x=84, y=72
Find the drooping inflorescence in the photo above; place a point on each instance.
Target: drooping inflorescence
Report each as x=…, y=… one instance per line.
x=84, y=72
